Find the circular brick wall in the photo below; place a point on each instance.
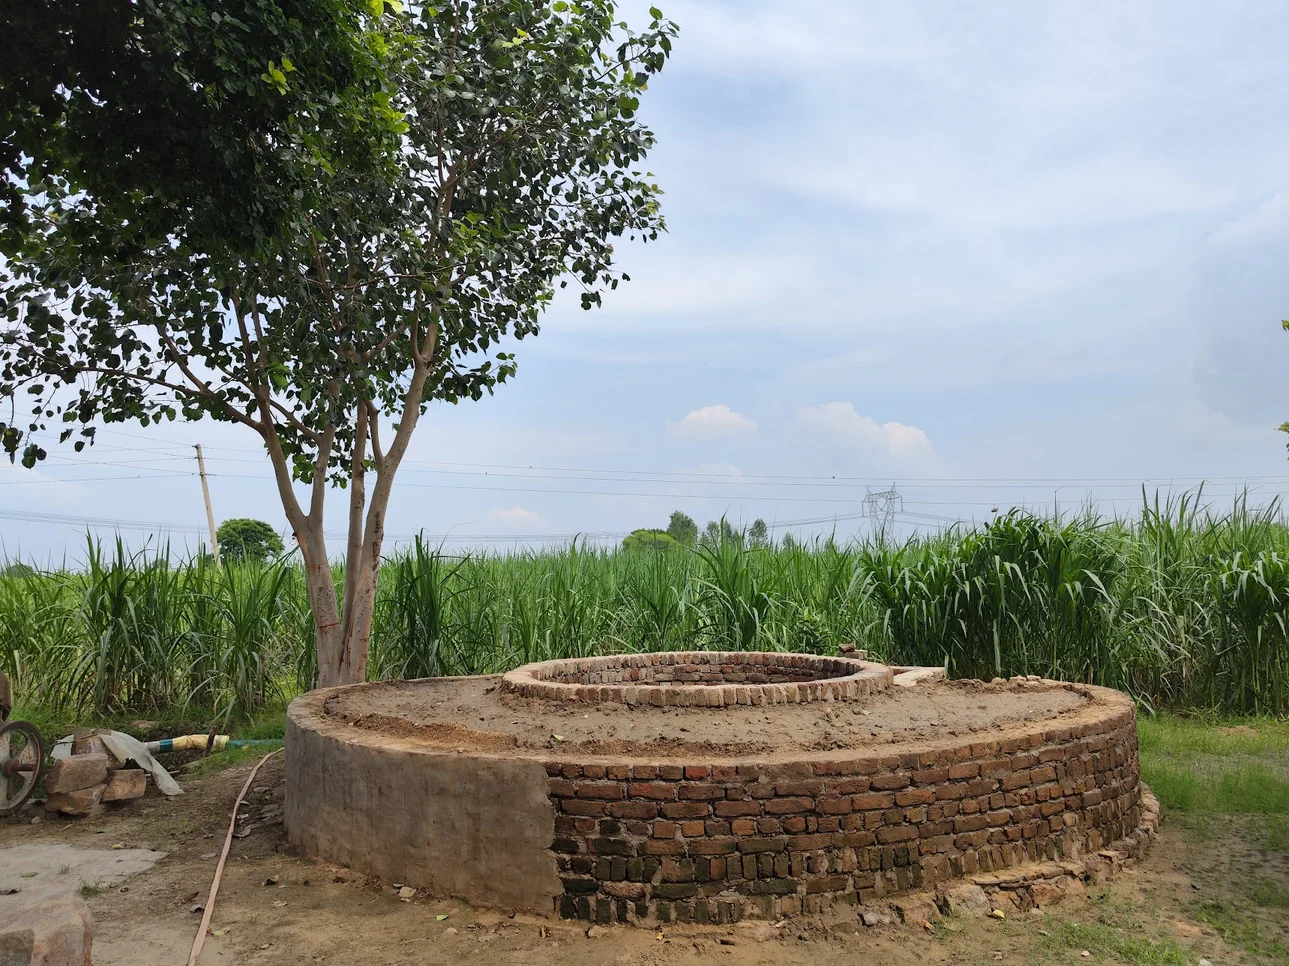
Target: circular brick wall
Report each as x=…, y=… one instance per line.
x=700, y=679
x=693, y=831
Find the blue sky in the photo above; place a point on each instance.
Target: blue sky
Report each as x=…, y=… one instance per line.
x=947, y=246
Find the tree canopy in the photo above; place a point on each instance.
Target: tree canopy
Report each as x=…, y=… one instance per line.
x=242, y=538
x=654, y=540
x=308, y=217
x=682, y=528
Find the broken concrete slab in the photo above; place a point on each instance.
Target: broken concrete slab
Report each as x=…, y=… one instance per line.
x=65, y=865
x=125, y=784
x=76, y=772
x=47, y=925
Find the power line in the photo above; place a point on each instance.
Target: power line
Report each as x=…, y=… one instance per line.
x=724, y=478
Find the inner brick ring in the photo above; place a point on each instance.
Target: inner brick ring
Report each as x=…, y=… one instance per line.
x=700, y=679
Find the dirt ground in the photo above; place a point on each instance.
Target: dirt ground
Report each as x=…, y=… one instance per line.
x=276, y=906
x=475, y=713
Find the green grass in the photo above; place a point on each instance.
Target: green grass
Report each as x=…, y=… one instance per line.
x=1202, y=767
x=1239, y=928
x=1269, y=893
x=213, y=764
x=1117, y=941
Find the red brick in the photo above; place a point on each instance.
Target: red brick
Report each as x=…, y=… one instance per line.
x=715, y=846
x=696, y=772
x=967, y=769
x=655, y=790
x=664, y=829
x=673, y=773
x=733, y=809
x=592, y=771
x=785, y=806
x=863, y=803
x=885, y=783
x=664, y=847
x=896, y=833
x=701, y=792
x=684, y=809
x=642, y=810
x=577, y=806
x=809, y=787
x=915, y=796
x=608, y=791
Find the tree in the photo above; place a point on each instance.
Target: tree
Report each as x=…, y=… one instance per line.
x=406, y=191
x=758, y=534
x=246, y=539
x=720, y=531
x=655, y=540
x=682, y=529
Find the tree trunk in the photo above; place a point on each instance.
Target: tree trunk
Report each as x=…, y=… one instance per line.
x=324, y=603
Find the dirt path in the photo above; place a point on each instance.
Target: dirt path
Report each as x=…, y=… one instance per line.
x=279, y=907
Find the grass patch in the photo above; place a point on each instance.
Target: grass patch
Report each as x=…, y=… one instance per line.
x=1238, y=767
x=1240, y=929
x=90, y=889
x=213, y=764
x=1266, y=892
x=1119, y=939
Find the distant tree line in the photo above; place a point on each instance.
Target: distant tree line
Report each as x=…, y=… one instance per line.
x=682, y=531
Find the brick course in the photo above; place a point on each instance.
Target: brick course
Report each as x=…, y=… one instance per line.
x=700, y=841
x=712, y=679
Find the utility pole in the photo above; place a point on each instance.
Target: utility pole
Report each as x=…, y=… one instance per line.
x=210, y=514
x=882, y=508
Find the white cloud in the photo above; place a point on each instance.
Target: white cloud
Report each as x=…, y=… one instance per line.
x=517, y=516
x=892, y=444
x=713, y=422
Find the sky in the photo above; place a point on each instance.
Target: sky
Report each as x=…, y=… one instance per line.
x=988, y=255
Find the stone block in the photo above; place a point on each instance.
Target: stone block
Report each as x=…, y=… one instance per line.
x=46, y=925
x=89, y=743
x=77, y=772
x=875, y=917
x=915, y=908
x=965, y=900
x=79, y=802
x=125, y=784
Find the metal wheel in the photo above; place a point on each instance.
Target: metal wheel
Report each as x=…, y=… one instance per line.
x=22, y=756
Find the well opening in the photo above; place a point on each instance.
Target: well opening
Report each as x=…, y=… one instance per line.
x=700, y=679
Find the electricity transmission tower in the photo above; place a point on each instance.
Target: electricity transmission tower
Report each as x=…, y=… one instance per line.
x=881, y=508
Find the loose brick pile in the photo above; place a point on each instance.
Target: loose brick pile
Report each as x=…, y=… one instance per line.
x=719, y=841
x=77, y=784
x=712, y=679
